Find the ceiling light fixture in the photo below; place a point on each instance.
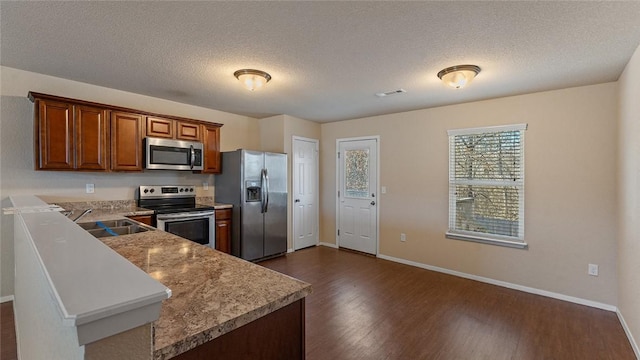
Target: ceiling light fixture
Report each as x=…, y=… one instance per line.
x=252, y=79
x=458, y=76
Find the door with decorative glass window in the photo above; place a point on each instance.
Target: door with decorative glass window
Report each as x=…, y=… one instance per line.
x=357, y=194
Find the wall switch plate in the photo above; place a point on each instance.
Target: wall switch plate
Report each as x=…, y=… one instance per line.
x=383, y=190
x=90, y=188
x=403, y=237
x=205, y=186
x=593, y=270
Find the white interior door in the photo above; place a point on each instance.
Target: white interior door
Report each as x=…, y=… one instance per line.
x=305, y=192
x=357, y=194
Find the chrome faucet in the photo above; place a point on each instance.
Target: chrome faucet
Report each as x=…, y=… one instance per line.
x=83, y=214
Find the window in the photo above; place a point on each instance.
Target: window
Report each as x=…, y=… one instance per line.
x=486, y=185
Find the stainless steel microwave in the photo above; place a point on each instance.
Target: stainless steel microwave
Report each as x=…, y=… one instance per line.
x=168, y=154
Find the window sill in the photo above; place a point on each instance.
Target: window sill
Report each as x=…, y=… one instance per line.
x=485, y=240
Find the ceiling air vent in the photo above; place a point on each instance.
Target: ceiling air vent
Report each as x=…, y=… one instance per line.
x=392, y=92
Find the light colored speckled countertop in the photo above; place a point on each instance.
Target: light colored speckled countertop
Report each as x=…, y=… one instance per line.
x=212, y=293
x=111, y=210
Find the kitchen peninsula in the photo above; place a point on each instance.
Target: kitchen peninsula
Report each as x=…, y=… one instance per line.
x=219, y=304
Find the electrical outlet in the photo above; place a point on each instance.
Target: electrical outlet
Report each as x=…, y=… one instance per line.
x=593, y=269
x=403, y=237
x=90, y=188
x=205, y=186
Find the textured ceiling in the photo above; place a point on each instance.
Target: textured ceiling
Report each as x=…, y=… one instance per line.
x=327, y=59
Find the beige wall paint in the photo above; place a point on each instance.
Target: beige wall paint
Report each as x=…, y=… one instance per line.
x=272, y=134
x=295, y=127
x=629, y=198
x=569, y=187
x=276, y=135
x=16, y=131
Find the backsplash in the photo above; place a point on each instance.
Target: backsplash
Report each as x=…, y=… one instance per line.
x=98, y=205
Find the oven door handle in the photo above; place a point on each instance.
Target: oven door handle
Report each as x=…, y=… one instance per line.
x=186, y=216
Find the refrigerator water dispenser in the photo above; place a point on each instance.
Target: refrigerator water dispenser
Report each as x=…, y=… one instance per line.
x=253, y=191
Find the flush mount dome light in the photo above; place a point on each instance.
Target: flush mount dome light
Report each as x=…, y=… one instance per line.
x=458, y=76
x=252, y=79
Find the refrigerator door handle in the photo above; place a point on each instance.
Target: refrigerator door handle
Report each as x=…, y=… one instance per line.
x=266, y=203
x=263, y=190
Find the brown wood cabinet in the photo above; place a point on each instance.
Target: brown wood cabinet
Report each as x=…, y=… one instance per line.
x=92, y=138
x=173, y=129
x=54, y=135
x=70, y=137
x=223, y=230
x=126, y=141
x=73, y=134
x=145, y=219
x=275, y=336
x=188, y=131
x=211, y=140
x=158, y=127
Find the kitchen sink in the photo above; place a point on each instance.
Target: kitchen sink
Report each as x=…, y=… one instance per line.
x=115, y=228
x=108, y=223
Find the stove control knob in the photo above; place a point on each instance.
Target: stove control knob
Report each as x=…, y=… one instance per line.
x=146, y=191
x=152, y=190
x=181, y=189
x=191, y=189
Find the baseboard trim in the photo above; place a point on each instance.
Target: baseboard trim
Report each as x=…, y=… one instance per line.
x=289, y=251
x=6, y=298
x=634, y=344
x=505, y=284
x=328, y=245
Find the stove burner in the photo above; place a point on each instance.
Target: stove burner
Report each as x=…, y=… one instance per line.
x=170, y=199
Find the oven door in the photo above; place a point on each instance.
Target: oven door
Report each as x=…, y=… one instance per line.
x=199, y=227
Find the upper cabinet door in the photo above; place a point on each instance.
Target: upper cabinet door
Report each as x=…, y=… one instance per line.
x=92, y=134
x=158, y=127
x=54, y=136
x=188, y=131
x=126, y=141
x=211, y=139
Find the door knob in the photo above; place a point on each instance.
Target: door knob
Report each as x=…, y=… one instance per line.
x=297, y=200
x=373, y=203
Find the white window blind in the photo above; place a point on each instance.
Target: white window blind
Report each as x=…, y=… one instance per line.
x=486, y=185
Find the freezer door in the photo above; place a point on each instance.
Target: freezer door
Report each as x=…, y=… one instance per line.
x=275, y=218
x=252, y=231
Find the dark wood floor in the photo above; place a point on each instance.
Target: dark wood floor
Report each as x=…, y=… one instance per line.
x=367, y=308
x=7, y=332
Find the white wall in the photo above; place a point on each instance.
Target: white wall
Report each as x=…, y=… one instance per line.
x=629, y=199
x=16, y=146
x=570, y=188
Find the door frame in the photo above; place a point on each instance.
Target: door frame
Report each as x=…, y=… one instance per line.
x=317, y=181
x=378, y=202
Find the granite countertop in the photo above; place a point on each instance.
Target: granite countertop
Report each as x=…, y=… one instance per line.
x=213, y=293
x=112, y=210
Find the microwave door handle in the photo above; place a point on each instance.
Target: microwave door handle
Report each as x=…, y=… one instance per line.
x=193, y=156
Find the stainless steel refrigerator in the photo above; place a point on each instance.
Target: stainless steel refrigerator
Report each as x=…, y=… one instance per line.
x=255, y=183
